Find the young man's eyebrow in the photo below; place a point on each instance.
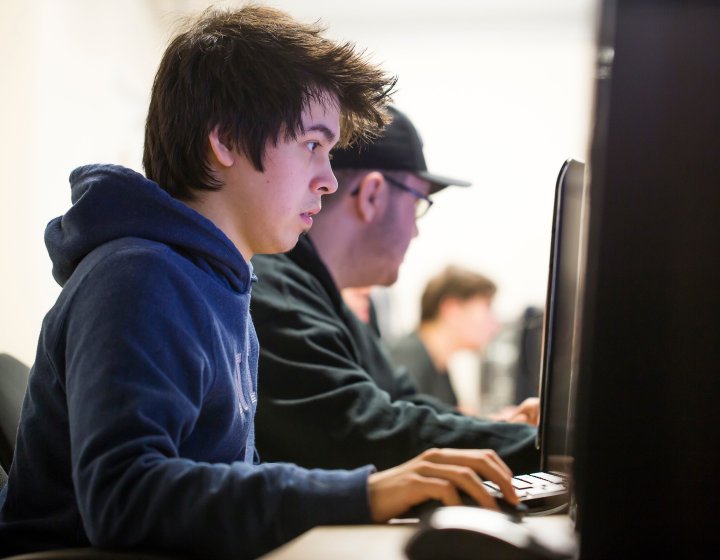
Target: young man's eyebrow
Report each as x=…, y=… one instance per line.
x=329, y=134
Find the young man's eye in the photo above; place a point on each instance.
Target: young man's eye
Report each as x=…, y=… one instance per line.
x=312, y=145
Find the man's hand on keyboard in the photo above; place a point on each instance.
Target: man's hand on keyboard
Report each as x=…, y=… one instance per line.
x=527, y=412
x=439, y=474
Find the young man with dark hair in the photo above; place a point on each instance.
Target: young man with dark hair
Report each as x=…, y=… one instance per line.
x=137, y=429
x=331, y=396
x=454, y=283
x=455, y=314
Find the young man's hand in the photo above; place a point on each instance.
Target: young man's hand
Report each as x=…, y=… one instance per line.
x=439, y=474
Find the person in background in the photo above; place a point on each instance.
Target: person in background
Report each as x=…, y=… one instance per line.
x=331, y=396
x=137, y=430
x=455, y=315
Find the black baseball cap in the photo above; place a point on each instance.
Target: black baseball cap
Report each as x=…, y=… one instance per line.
x=399, y=148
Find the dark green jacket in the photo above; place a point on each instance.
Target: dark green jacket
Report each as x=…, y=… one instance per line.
x=329, y=395
x=410, y=352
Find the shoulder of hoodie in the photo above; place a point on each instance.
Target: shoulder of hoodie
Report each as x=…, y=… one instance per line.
x=123, y=277
x=135, y=262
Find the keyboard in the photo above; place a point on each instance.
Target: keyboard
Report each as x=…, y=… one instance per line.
x=538, y=491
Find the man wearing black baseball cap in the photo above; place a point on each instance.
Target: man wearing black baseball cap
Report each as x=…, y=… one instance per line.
x=400, y=149
x=329, y=395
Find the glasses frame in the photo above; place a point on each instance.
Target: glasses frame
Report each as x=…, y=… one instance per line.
x=424, y=202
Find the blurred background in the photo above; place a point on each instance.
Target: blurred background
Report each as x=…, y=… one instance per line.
x=500, y=90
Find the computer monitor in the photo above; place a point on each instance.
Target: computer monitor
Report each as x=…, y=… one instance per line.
x=646, y=451
x=558, y=374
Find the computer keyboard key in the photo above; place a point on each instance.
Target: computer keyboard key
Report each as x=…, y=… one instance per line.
x=549, y=477
x=530, y=479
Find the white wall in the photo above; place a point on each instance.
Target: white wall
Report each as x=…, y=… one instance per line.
x=499, y=89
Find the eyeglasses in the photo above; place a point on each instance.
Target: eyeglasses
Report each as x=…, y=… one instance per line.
x=422, y=202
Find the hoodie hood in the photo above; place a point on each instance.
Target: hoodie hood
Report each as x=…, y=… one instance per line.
x=112, y=202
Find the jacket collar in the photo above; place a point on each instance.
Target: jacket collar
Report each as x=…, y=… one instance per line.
x=305, y=255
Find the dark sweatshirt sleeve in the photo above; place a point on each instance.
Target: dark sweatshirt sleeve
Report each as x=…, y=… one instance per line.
x=319, y=407
x=135, y=383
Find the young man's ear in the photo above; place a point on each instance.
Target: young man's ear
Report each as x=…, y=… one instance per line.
x=371, y=197
x=222, y=153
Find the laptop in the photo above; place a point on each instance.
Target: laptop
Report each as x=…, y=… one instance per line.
x=548, y=491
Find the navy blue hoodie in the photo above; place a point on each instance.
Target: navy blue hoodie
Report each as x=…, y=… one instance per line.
x=137, y=426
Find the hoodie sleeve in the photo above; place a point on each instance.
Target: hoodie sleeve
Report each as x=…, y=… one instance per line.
x=138, y=374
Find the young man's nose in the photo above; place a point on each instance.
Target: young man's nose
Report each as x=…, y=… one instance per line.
x=326, y=183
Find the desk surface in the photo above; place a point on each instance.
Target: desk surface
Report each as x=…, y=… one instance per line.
x=386, y=542
x=382, y=542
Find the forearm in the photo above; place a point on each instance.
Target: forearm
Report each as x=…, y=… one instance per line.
x=358, y=424
x=217, y=511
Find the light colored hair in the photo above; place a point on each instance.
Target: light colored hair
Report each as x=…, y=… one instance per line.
x=457, y=283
